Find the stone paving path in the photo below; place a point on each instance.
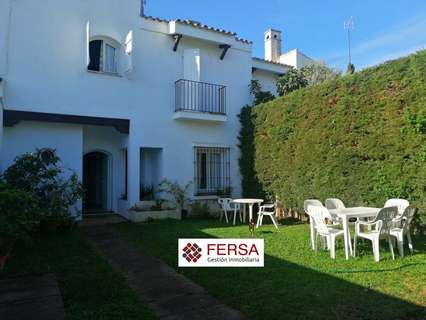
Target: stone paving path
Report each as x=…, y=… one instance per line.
x=169, y=294
x=31, y=298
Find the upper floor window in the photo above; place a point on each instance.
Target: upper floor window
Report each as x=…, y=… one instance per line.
x=103, y=55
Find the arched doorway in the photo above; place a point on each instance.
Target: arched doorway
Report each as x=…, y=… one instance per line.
x=95, y=182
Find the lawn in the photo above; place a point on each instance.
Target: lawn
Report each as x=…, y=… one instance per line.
x=297, y=283
x=90, y=288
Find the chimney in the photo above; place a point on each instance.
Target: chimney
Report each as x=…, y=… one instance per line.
x=272, y=45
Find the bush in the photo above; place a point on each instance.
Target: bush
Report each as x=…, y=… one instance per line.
x=19, y=215
x=40, y=176
x=292, y=79
x=359, y=138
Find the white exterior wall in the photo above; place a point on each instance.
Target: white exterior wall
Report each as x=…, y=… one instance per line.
x=296, y=59
x=47, y=73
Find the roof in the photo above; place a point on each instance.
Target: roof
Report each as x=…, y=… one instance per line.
x=197, y=24
x=268, y=61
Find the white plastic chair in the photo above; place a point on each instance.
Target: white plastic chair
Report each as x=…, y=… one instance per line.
x=237, y=209
x=319, y=214
x=227, y=205
x=377, y=229
x=266, y=210
x=334, y=203
x=401, y=227
x=317, y=203
x=401, y=204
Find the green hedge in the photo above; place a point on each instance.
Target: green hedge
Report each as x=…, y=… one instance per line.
x=361, y=138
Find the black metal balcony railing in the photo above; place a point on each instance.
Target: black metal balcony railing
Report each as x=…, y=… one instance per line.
x=200, y=97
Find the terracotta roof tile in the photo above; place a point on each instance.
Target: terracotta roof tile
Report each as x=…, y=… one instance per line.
x=197, y=24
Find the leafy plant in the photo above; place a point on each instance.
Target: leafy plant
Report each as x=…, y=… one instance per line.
x=40, y=175
x=19, y=217
x=249, y=181
x=178, y=193
x=291, y=80
x=317, y=73
x=260, y=96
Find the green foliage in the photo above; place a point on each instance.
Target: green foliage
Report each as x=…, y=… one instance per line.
x=260, y=96
x=200, y=210
x=423, y=153
x=292, y=80
x=317, y=73
x=40, y=175
x=19, y=215
x=178, y=193
x=417, y=121
x=250, y=184
x=360, y=138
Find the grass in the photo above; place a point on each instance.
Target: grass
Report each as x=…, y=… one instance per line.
x=296, y=282
x=90, y=288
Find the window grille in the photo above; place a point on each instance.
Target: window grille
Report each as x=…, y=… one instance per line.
x=212, y=170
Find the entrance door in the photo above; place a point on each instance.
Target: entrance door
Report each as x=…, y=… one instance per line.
x=95, y=181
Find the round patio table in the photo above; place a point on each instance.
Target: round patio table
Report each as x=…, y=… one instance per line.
x=250, y=203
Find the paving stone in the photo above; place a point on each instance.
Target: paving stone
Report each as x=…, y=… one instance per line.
x=31, y=298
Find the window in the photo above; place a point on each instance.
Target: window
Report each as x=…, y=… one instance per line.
x=103, y=56
x=212, y=168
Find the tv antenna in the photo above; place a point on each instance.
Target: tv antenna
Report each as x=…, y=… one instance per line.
x=349, y=25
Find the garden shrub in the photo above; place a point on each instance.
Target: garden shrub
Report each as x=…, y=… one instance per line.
x=19, y=214
x=40, y=175
x=360, y=138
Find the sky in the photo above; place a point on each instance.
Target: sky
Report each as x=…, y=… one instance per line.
x=383, y=29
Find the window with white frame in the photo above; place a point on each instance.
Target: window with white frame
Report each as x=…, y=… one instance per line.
x=212, y=170
x=103, y=56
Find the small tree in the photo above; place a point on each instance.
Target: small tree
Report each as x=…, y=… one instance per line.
x=317, y=73
x=292, y=80
x=260, y=96
x=40, y=175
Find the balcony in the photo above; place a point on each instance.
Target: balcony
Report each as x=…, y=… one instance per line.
x=199, y=101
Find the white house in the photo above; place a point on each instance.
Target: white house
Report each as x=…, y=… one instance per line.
x=126, y=100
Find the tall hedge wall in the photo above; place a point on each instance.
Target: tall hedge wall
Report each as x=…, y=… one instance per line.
x=361, y=138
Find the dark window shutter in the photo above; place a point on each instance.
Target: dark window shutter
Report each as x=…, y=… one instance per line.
x=95, y=55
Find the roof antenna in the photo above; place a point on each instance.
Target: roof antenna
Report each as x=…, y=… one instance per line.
x=349, y=25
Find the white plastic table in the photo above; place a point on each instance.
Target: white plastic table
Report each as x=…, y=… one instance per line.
x=356, y=212
x=250, y=203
